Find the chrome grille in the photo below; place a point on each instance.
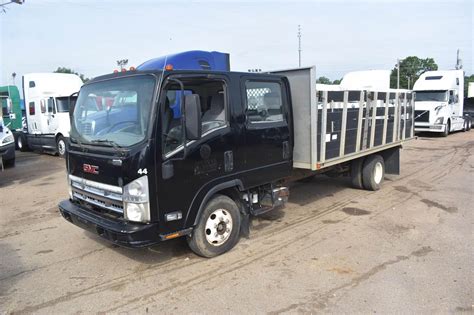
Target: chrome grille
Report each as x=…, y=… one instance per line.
x=97, y=194
x=422, y=115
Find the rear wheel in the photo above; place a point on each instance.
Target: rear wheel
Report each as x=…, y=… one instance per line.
x=61, y=146
x=356, y=173
x=218, y=228
x=373, y=172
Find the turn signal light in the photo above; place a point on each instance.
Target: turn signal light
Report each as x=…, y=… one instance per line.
x=132, y=68
x=169, y=67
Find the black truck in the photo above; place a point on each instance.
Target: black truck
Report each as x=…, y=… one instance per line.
x=156, y=155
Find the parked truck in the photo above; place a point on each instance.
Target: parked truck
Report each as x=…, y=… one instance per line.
x=150, y=175
x=7, y=145
x=439, y=97
x=48, y=97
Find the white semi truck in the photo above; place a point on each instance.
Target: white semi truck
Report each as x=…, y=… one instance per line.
x=439, y=102
x=48, y=97
x=7, y=145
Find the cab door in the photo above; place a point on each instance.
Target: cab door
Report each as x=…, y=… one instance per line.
x=267, y=129
x=53, y=122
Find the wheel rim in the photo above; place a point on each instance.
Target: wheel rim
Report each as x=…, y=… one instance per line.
x=378, y=172
x=61, y=147
x=218, y=227
x=19, y=143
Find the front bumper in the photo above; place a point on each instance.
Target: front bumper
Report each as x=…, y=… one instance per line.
x=122, y=233
x=8, y=151
x=422, y=127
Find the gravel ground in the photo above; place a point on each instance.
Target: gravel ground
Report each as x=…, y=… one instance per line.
x=404, y=249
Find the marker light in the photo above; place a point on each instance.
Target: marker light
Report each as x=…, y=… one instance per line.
x=124, y=70
x=169, y=67
x=115, y=71
x=132, y=68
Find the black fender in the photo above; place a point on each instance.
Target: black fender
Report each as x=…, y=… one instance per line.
x=192, y=221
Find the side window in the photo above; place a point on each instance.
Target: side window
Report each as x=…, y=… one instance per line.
x=31, y=108
x=213, y=110
x=43, y=106
x=264, y=101
x=32, y=84
x=51, y=108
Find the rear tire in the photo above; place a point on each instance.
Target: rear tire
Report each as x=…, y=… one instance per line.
x=356, y=173
x=218, y=228
x=61, y=146
x=373, y=172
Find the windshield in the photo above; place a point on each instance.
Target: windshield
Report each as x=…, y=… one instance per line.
x=431, y=96
x=64, y=103
x=114, y=112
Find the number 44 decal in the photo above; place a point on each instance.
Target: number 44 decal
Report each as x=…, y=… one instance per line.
x=142, y=171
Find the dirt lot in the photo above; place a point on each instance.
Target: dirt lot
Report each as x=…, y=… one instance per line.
x=406, y=248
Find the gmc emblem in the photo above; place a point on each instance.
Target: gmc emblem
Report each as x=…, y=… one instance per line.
x=92, y=169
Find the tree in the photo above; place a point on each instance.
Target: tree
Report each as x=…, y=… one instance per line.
x=323, y=80
x=337, y=81
x=410, y=69
x=68, y=70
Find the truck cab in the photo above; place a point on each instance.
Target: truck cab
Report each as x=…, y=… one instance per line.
x=140, y=173
x=48, y=97
x=439, y=102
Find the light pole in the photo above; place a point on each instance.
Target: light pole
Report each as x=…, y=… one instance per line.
x=13, y=77
x=398, y=74
x=299, y=46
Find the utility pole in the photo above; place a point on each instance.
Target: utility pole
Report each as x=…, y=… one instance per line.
x=458, y=61
x=299, y=46
x=398, y=73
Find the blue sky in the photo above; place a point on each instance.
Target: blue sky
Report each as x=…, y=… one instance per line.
x=338, y=36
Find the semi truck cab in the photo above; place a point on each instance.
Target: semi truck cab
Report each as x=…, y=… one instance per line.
x=439, y=102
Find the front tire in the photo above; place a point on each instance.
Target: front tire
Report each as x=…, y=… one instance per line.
x=22, y=143
x=447, y=129
x=373, y=172
x=218, y=228
x=61, y=146
x=9, y=163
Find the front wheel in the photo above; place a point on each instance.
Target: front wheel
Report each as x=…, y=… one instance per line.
x=218, y=228
x=21, y=142
x=446, y=129
x=61, y=146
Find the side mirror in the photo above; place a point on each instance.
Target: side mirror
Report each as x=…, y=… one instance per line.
x=193, y=126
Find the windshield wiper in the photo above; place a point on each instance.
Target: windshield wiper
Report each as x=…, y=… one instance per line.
x=109, y=142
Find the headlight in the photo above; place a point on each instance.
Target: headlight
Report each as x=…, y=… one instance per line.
x=136, y=200
x=439, y=121
x=7, y=139
x=138, y=212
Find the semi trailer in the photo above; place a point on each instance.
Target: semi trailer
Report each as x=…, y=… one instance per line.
x=150, y=175
x=48, y=97
x=439, y=102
